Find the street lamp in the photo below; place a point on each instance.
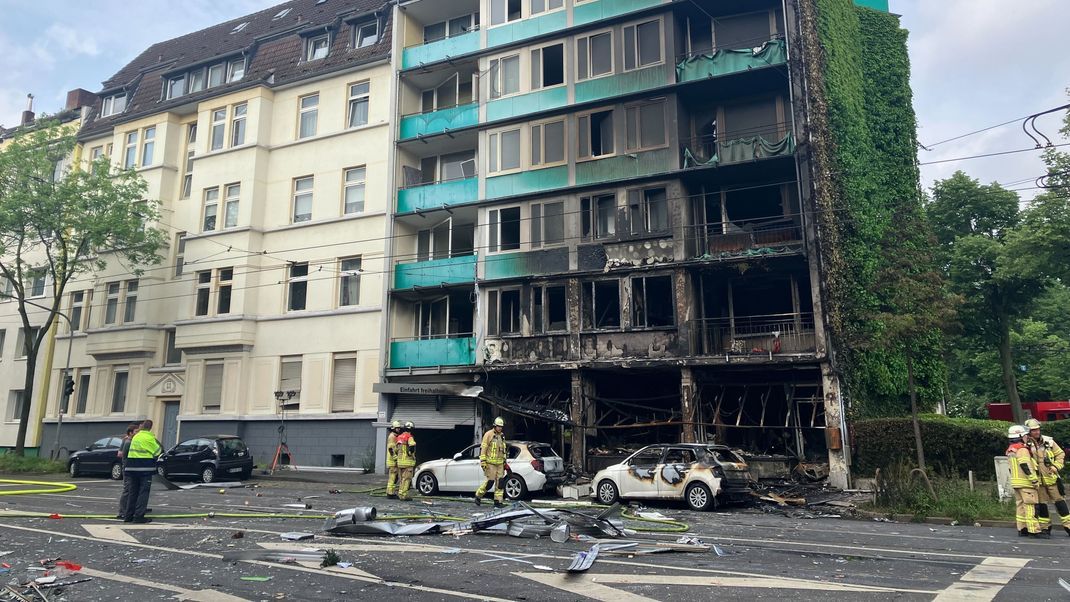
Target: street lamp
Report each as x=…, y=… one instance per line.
x=68, y=382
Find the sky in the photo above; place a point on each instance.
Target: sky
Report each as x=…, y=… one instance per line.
x=975, y=63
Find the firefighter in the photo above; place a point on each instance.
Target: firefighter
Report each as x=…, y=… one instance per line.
x=1024, y=480
x=405, y=449
x=139, y=466
x=492, y=461
x=1049, y=458
x=392, y=460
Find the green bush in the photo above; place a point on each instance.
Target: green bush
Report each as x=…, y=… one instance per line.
x=10, y=463
x=900, y=493
x=953, y=446
x=1058, y=430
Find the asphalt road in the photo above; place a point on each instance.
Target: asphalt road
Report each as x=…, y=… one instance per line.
x=765, y=555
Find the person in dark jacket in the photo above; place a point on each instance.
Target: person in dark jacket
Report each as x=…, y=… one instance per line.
x=128, y=482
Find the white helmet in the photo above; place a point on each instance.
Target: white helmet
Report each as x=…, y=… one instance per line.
x=1032, y=423
x=1017, y=431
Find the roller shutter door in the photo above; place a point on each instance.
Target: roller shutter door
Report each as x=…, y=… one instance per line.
x=421, y=410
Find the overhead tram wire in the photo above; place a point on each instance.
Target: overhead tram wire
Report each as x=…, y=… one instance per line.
x=929, y=147
x=1010, y=152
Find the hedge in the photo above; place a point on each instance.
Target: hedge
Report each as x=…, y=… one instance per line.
x=953, y=446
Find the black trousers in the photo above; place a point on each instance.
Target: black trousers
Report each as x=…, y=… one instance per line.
x=129, y=488
x=138, y=501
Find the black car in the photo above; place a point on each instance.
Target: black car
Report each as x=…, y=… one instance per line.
x=101, y=457
x=209, y=458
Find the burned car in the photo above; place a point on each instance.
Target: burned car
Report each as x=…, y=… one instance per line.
x=702, y=474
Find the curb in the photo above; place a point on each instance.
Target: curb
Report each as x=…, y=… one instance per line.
x=936, y=520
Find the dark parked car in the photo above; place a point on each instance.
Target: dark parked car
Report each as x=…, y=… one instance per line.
x=209, y=458
x=101, y=457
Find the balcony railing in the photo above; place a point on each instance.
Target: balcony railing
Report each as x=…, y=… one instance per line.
x=751, y=144
x=745, y=237
x=441, y=350
x=435, y=272
x=439, y=50
x=727, y=61
x=437, y=122
x=768, y=335
x=435, y=195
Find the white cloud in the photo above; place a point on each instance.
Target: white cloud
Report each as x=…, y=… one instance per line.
x=71, y=41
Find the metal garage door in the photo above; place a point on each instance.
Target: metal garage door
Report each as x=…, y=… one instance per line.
x=430, y=412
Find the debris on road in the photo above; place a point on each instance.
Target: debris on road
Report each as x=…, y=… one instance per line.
x=584, y=559
x=298, y=506
x=257, y=578
x=284, y=556
x=227, y=485
x=296, y=536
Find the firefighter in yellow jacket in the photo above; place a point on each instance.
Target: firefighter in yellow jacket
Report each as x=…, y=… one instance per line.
x=1049, y=458
x=392, y=460
x=405, y=446
x=1024, y=480
x=492, y=461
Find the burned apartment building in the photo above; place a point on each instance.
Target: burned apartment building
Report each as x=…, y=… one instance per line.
x=603, y=230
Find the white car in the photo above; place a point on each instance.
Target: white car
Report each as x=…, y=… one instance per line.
x=532, y=467
x=702, y=474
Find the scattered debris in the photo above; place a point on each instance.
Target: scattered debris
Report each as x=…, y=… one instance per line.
x=493, y=557
x=299, y=506
x=331, y=558
x=46, y=579
x=284, y=556
x=237, y=535
x=257, y=578
x=584, y=559
x=353, y=515
x=227, y=485
x=296, y=536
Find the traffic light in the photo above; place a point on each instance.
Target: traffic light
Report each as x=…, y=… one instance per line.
x=68, y=387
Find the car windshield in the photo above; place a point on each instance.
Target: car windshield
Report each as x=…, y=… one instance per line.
x=230, y=447
x=542, y=451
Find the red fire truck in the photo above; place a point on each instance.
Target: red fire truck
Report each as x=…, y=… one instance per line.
x=1044, y=411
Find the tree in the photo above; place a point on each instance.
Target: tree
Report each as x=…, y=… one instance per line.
x=57, y=222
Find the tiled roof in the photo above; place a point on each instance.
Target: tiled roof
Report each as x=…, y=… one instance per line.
x=275, y=45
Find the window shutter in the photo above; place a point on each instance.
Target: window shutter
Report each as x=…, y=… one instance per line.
x=345, y=384
x=213, y=387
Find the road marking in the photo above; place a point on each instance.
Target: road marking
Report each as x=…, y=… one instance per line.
x=842, y=546
x=356, y=547
x=181, y=593
x=984, y=581
x=119, y=532
x=584, y=586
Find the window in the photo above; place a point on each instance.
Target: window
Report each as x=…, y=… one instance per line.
x=646, y=125
x=3, y=338
x=302, y=199
x=176, y=86
x=282, y=13
x=503, y=312
x=359, y=94
x=148, y=146
x=354, y=190
x=25, y=340
x=219, y=128
x=594, y=56
x=600, y=304
x=82, y=393
x=204, y=291
x=298, y=286
x=290, y=377
x=235, y=69
x=112, y=105
x=504, y=229
x=454, y=27
x=172, y=354
x=504, y=76
x=349, y=281
x=180, y=253
x=130, y=155
x=111, y=305
x=549, y=309
x=237, y=125
x=216, y=74
x=742, y=31
x=308, y=115
x=212, y=391
x=547, y=224
x=504, y=151
x=211, y=208
x=367, y=34
x=648, y=211
x=37, y=285
x=652, y=303
x=15, y=400
x=598, y=216
x=230, y=209
x=504, y=11
x=547, y=66
x=79, y=303
x=118, y=391
x=642, y=45
x=548, y=143
x=130, y=306
x=187, y=178
x=457, y=166
x=8, y=290
x=96, y=153
x=344, y=382
x=225, y=284
x=318, y=47
x=748, y=119
x=196, y=80
x=596, y=134
x=239, y=27
x=540, y=6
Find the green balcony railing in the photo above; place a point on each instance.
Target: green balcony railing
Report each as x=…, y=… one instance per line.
x=436, y=122
x=619, y=167
x=597, y=10
x=437, y=195
x=526, y=28
x=439, y=50
x=725, y=62
x=527, y=182
x=427, y=353
x=703, y=151
x=524, y=104
x=526, y=263
x=435, y=272
x=623, y=83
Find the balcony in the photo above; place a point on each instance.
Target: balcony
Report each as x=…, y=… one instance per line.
x=597, y=10
x=630, y=165
x=524, y=104
x=527, y=182
x=726, y=62
x=622, y=83
x=526, y=28
x=754, y=336
x=526, y=263
x=748, y=238
x=428, y=353
x=436, y=272
x=130, y=339
x=440, y=50
x=761, y=143
x=437, y=122
x=438, y=195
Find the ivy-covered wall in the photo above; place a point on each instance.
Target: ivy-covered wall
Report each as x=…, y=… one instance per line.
x=867, y=184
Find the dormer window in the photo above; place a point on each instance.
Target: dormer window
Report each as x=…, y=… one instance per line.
x=239, y=27
x=367, y=33
x=282, y=13
x=112, y=105
x=204, y=77
x=176, y=86
x=318, y=47
x=236, y=69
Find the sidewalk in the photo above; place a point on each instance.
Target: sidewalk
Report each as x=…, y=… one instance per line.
x=329, y=477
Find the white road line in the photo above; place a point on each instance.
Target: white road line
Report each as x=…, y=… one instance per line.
x=583, y=586
x=842, y=547
x=181, y=593
x=984, y=581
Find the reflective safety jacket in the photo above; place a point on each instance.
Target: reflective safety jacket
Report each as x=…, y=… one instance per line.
x=141, y=457
x=405, y=448
x=1049, y=458
x=1020, y=455
x=391, y=453
x=492, y=449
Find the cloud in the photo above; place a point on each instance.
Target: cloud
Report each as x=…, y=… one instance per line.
x=70, y=41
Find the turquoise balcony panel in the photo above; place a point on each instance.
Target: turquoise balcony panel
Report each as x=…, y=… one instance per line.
x=436, y=122
x=426, y=353
x=615, y=85
x=724, y=62
x=527, y=182
x=436, y=272
x=436, y=51
x=874, y=4
x=740, y=150
x=604, y=9
x=624, y=166
x=434, y=196
x=528, y=263
x=526, y=28
x=534, y=102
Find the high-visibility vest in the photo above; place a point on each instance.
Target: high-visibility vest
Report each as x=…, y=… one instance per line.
x=492, y=449
x=1049, y=458
x=141, y=457
x=1019, y=454
x=405, y=446
x=391, y=453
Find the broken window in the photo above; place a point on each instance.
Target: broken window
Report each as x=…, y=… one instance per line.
x=746, y=120
x=596, y=134
x=699, y=35
x=503, y=312
x=548, y=143
x=642, y=45
x=648, y=211
x=504, y=227
x=646, y=125
x=647, y=458
x=598, y=216
x=600, y=304
x=547, y=66
x=594, y=55
x=432, y=317
x=652, y=303
x=680, y=455
x=742, y=31
x=547, y=224
x=549, y=309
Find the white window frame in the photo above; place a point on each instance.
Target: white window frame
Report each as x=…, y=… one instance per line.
x=82, y=391
x=238, y=114
x=231, y=200
x=350, y=405
x=187, y=166
x=148, y=145
x=113, y=292
x=494, y=150
x=532, y=12
x=112, y=105
x=581, y=75
x=362, y=95
x=361, y=38
x=494, y=229
x=596, y=233
x=16, y=398
x=298, y=195
x=235, y=69
x=130, y=150
x=221, y=70
x=126, y=390
x=81, y=306
x=313, y=47
x=345, y=274
x=496, y=76
x=312, y=110
x=587, y=154
x=539, y=162
x=354, y=184
x=35, y=278
x=531, y=65
x=180, y=254
x=634, y=26
x=224, y=279
x=130, y=289
x=176, y=87
x=22, y=339
x=203, y=289
x=537, y=224
x=283, y=386
x=214, y=365
x=218, y=124
x=292, y=280
x=210, y=199
x=507, y=21
x=637, y=122
x=198, y=77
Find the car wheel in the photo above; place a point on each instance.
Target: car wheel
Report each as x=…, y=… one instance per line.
x=607, y=492
x=698, y=497
x=74, y=469
x=160, y=470
x=208, y=474
x=514, y=487
x=117, y=471
x=426, y=484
